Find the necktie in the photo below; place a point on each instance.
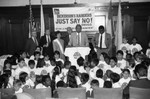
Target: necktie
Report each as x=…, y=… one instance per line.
x=101, y=41
x=35, y=40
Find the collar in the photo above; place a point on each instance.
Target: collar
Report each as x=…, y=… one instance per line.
x=143, y=77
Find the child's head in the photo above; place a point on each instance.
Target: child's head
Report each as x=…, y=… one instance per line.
x=72, y=71
x=114, y=77
x=107, y=59
x=80, y=61
x=107, y=84
x=99, y=73
x=23, y=77
x=129, y=56
x=125, y=40
x=94, y=83
x=46, y=57
x=46, y=80
x=119, y=54
x=67, y=64
x=113, y=61
x=21, y=62
x=38, y=49
x=23, y=54
x=59, y=64
x=38, y=79
x=103, y=56
x=60, y=84
x=17, y=84
x=126, y=73
x=57, y=54
x=134, y=40
x=84, y=78
x=8, y=72
x=7, y=65
x=53, y=62
x=94, y=62
x=108, y=72
x=37, y=55
x=31, y=64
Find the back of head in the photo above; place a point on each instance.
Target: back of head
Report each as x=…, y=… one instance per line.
x=60, y=84
x=99, y=73
x=80, y=61
x=107, y=84
x=114, y=77
x=84, y=77
x=140, y=70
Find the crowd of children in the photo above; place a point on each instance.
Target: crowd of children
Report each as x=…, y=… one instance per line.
x=20, y=72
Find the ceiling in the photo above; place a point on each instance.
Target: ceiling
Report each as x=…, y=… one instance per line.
x=6, y=3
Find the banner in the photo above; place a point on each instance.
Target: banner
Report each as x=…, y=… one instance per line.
x=71, y=16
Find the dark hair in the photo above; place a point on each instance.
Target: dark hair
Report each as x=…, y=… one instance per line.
x=8, y=72
x=38, y=79
x=99, y=73
x=114, y=58
x=20, y=59
x=114, y=77
x=67, y=63
x=126, y=70
x=36, y=53
x=104, y=54
x=4, y=78
x=78, y=25
x=31, y=62
x=57, y=32
x=17, y=81
x=101, y=27
x=71, y=77
x=57, y=71
x=120, y=52
x=60, y=84
x=85, y=77
x=94, y=81
x=22, y=77
x=95, y=61
x=141, y=70
x=7, y=62
x=80, y=61
x=44, y=77
x=107, y=84
x=57, y=52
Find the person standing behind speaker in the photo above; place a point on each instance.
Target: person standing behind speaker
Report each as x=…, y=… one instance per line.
x=102, y=41
x=46, y=43
x=79, y=38
x=31, y=43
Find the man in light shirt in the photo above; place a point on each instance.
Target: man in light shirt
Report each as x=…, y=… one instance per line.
x=79, y=38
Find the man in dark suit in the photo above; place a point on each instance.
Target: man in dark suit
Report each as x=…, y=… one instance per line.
x=102, y=41
x=31, y=43
x=46, y=43
x=141, y=82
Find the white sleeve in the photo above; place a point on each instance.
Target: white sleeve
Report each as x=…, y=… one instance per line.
x=78, y=80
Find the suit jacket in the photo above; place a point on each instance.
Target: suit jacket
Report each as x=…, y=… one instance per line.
x=141, y=83
x=66, y=39
x=95, y=40
x=49, y=49
x=30, y=46
x=84, y=39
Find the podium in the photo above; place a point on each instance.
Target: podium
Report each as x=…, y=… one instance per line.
x=75, y=52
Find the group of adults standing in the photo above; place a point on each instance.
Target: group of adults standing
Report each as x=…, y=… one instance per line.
x=101, y=41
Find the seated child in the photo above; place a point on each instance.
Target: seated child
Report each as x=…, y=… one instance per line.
x=107, y=84
x=99, y=77
x=85, y=81
x=115, y=80
x=80, y=67
x=94, y=83
x=17, y=86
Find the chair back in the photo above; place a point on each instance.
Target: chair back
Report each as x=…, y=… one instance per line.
x=71, y=93
x=42, y=93
x=24, y=96
x=139, y=93
x=107, y=93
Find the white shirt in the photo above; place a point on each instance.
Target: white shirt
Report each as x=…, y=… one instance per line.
x=19, y=70
x=116, y=70
x=135, y=48
x=39, y=86
x=122, y=63
x=79, y=35
x=101, y=82
x=60, y=60
x=122, y=80
x=104, y=66
x=30, y=83
x=86, y=85
x=19, y=91
x=81, y=69
x=116, y=85
x=103, y=40
x=124, y=47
